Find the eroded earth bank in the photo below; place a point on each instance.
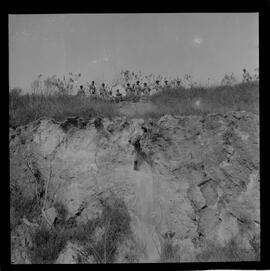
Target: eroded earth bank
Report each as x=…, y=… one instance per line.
x=186, y=188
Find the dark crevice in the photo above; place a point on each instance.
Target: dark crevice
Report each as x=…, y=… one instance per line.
x=98, y=123
x=140, y=155
x=144, y=129
x=204, y=207
x=73, y=122
x=68, y=124
x=41, y=194
x=238, y=219
x=204, y=182
x=169, y=235
x=200, y=234
x=137, y=145
x=135, y=165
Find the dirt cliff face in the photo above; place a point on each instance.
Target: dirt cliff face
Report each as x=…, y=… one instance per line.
x=189, y=183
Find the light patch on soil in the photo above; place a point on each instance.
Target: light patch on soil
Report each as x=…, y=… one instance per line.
x=135, y=109
x=144, y=209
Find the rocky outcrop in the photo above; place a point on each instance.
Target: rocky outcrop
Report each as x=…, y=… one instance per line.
x=196, y=177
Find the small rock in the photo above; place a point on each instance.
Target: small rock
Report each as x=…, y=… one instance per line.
x=51, y=214
x=196, y=197
x=69, y=255
x=98, y=234
x=210, y=194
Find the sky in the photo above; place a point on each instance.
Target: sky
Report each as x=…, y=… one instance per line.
x=99, y=46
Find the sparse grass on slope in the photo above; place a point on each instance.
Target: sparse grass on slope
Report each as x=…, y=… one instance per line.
x=231, y=252
x=199, y=100
x=194, y=101
x=27, y=108
x=114, y=224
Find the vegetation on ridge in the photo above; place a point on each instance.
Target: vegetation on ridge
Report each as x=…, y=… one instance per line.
x=26, y=108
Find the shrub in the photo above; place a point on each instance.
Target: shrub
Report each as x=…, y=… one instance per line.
x=169, y=252
x=115, y=221
x=61, y=212
x=256, y=245
x=83, y=233
x=228, y=80
x=47, y=244
x=231, y=252
x=115, y=225
x=21, y=206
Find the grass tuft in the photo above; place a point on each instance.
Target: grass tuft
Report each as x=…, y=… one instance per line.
x=231, y=252
x=114, y=223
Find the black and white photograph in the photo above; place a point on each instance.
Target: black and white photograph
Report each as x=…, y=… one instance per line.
x=134, y=138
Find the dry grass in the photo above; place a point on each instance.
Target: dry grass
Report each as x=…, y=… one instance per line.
x=199, y=100
x=182, y=101
x=30, y=107
x=115, y=220
x=229, y=253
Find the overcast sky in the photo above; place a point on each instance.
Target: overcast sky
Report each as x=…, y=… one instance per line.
x=100, y=45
